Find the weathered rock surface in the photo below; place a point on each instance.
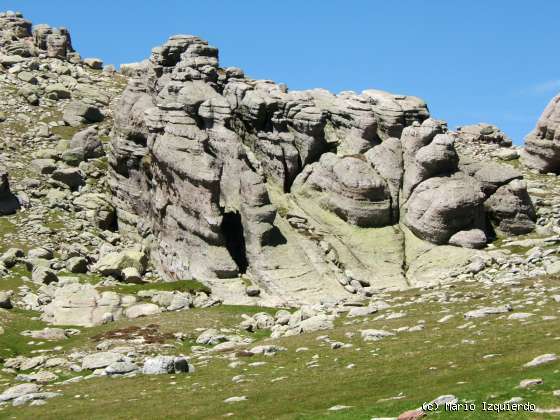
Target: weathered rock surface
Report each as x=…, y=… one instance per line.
x=18, y=391
x=77, y=113
x=511, y=208
x=542, y=145
x=88, y=143
x=165, y=364
x=350, y=188
x=100, y=360
x=82, y=304
x=225, y=175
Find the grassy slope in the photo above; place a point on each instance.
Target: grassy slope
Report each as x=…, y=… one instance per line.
x=417, y=365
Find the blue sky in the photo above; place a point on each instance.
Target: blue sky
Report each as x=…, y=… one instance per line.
x=493, y=61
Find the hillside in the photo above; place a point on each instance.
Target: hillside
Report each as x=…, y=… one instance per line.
x=180, y=240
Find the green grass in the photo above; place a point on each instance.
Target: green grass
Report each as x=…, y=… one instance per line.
x=14, y=321
x=7, y=227
x=189, y=286
x=66, y=132
x=14, y=279
x=417, y=366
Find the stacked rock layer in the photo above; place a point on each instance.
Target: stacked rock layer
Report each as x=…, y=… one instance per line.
x=302, y=190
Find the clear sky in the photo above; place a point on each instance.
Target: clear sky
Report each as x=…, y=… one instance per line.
x=493, y=61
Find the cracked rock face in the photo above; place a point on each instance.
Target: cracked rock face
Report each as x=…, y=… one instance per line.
x=301, y=190
x=542, y=145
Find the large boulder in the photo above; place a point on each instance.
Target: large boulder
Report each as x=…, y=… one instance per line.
x=97, y=208
x=491, y=175
x=87, y=141
x=511, y=209
x=100, y=360
x=77, y=113
x=82, y=304
x=57, y=91
x=542, y=145
x=442, y=206
x=113, y=263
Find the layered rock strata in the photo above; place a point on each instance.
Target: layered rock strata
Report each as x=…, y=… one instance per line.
x=308, y=193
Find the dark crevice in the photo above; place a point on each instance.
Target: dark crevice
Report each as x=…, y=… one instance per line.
x=288, y=177
x=232, y=230
x=137, y=138
x=489, y=228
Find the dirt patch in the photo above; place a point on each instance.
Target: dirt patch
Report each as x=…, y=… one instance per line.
x=150, y=334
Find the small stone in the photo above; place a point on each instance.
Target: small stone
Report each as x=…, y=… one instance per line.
x=94, y=63
x=339, y=407
x=28, y=77
x=529, y=383
x=542, y=359
x=77, y=113
x=482, y=312
x=252, y=291
x=235, y=399
x=411, y=415
x=42, y=253
x=520, y=315
x=375, y=335
x=49, y=334
x=77, y=265
x=361, y=311
x=442, y=400
x=474, y=238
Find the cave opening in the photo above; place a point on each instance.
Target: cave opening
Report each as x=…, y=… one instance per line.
x=232, y=229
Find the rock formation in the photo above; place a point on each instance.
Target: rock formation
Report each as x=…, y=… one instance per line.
x=302, y=191
x=542, y=145
x=19, y=39
x=485, y=133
